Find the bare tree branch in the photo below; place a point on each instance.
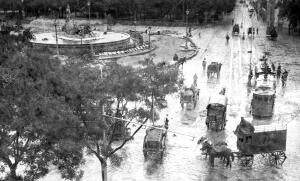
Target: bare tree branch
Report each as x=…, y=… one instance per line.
x=100, y=157
x=126, y=140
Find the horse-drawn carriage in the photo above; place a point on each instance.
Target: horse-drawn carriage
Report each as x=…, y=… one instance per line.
x=189, y=96
x=263, y=98
x=271, y=33
x=155, y=142
x=214, y=68
x=216, y=112
x=236, y=30
x=263, y=95
x=267, y=140
x=119, y=129
x=251, y=31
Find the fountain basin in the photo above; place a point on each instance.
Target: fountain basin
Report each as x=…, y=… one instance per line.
x=101, y=42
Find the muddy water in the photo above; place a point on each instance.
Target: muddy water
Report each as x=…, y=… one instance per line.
x=183, y=159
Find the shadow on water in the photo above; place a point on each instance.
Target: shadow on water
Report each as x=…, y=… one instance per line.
x=153, y=167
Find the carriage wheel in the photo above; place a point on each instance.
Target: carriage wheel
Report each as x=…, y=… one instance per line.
x=246, y=161
x=265, y=156
x=277, y=158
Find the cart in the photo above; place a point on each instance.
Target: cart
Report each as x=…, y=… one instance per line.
x=155, y=142
x=267, y=140
x=216, y=112
x=189, y=97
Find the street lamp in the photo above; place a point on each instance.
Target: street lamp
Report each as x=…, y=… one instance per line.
x=89, y=6
x=149, y=31
x=186, y=32
x=56, y=39
x=22, y=8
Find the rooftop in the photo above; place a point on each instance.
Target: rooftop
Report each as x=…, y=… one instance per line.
x=218, y=99
x=154, y=134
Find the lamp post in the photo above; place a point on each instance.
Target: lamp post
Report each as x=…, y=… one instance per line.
x=186, y=32
x=56, y=39
x=22, y=8
x=149, y=32
x=89, y=6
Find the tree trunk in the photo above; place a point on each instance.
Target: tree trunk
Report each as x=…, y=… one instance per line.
x=104, y=170
x=13, y=174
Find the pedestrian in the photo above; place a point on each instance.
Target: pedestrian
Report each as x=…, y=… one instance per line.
x=232, y=21
x=190, y=31
x=257, y=30
x=278, y=71
x=195, y=80
x=167, y=122
x=273, y=67
x=284, y=77
x=199, y=34
x=204, y=64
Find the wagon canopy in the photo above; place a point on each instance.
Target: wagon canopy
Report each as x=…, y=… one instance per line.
x=154, y=134
x=218, y=100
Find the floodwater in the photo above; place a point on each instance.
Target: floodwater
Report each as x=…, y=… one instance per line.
x=183, y=159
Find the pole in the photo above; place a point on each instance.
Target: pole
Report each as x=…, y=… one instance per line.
x=186, y=30
x=89, y=13
x=89, y=5
x=152, y=98
x=56, y=39
x=149, y=32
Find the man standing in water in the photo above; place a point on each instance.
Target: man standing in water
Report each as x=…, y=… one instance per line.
x=278, y=71
x=284, y=77
x=195, y=80
x=204, y=64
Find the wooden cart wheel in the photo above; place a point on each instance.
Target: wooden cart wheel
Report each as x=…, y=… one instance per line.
x=265, y=156
x=246, y=161
x=277, y=158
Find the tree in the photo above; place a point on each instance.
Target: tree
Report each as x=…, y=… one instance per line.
x=120, y=85
x=290, y=10
x=37, y=127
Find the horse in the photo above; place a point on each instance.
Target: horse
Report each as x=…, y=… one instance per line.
x=214, y=68
x=225, y=154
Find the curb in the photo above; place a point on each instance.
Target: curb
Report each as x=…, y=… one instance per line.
x=99, y=57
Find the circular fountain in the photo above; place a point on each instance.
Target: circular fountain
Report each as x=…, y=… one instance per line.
x=101, y=41
x=71, y=36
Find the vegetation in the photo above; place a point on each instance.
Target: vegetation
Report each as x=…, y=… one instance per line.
x=291, y=10
x=51, y=113
x=36, y=124
x=127, y=9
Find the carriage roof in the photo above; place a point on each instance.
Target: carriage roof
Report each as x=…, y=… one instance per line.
x=188, y=92
x=265, y=86
x=218, y=99
x=259, y=65
x=248, y=128
x=270, y=127
x=154, y=134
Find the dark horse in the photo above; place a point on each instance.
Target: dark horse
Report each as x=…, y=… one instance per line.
x=213, y=68
x=225, y=154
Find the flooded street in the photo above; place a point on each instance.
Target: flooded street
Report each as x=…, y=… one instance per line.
x=183, y=159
